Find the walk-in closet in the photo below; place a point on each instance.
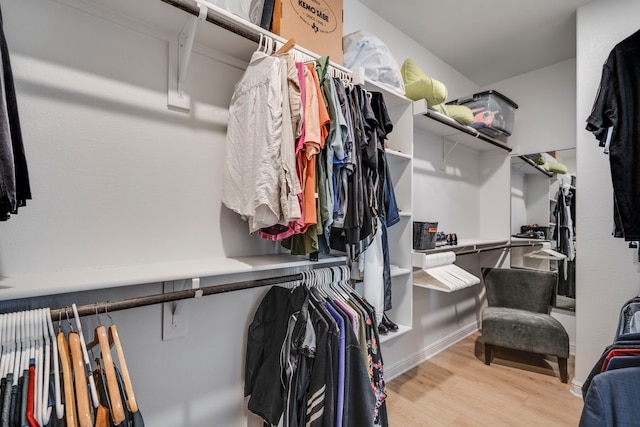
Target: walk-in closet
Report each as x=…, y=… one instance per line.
x=126, y=252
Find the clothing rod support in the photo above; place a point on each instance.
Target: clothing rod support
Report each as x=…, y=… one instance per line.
x=226, y=20
x=109, y=306
x=185, y=45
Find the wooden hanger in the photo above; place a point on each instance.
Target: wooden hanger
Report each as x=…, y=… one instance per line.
x=115, y=339
x=287, y=46
x=102, y=413
x=115, y=399
x=69, y=399
x=82, y=392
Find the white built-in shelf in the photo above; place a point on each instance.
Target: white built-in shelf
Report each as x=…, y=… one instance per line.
x=397, y=154
x=60, y=282
x=434, y=286
x=469, y=245
x=523, y=242
x=528, y=166
x=392, y=98
x=402, y=329
x=395, y=272
x=444, y=126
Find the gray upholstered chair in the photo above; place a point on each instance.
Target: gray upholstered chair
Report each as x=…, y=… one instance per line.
x=518, y=316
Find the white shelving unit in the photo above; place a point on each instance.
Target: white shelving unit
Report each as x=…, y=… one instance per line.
x=460, y=177
x=399, y=152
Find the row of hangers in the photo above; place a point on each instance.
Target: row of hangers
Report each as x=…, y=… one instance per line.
x=270, y=46
x=30, y=335
x=329, y=281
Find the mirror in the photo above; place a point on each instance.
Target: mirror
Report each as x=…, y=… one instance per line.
x=543, y=193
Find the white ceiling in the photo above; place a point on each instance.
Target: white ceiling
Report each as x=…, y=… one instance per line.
x=488, y=40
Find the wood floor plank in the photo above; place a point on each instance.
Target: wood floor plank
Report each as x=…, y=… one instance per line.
x=456, y=388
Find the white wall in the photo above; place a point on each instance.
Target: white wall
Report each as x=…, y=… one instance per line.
x=546, y=108
x=359, y=17
x=606, y=270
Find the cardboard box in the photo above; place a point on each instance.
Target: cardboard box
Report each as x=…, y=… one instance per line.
x=316, y=25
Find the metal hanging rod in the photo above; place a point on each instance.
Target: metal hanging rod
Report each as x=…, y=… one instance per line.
x=484, y=249
x=109, y=306
x=226, y=20
x=191, y=6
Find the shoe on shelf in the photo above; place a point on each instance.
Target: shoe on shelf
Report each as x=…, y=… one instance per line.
x=382, y=330
x=389, y=324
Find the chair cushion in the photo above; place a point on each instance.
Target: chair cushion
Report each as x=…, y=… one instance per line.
x=524, y=330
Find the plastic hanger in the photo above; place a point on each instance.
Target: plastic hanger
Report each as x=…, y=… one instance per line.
x=45, y=410
x=39, y=365
x=3, y=345
x=115, y=399
x=67, y=375
x=85, y=355
x=56, y=368
x=128, y=386
x=21, y=348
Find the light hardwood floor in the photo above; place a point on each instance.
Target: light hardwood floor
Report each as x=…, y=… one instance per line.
x=456, y=388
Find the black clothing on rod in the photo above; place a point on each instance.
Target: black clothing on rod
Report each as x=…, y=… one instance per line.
x=15, y=189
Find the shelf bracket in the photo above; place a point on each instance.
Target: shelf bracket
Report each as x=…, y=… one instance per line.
x=179, y=58
x=443, y=160
x=174, y=315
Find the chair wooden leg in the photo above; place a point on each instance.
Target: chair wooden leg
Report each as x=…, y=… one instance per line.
x=487, y=354
x=562, y=363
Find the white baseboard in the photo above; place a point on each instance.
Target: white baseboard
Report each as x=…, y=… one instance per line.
x=576, y=388
x=403, y=365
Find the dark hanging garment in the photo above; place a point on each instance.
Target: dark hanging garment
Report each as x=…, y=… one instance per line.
x=15, y=189
x=617, y=105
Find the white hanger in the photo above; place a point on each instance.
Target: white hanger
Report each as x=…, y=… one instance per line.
x=39, y=365
x=85, y=355
x=11, y=341
x=21, y=347
x=45, y=411
x=56, y=368
x=3, y=344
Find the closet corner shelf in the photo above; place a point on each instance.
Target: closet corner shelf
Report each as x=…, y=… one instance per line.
x=103, y=277
x=392, y=98
x=397, y=154
x=469, y=245
x=434, y=286
x=535, y=167
x=402, y=329
x=517, y=242
x=444, y=126
x=395, y=272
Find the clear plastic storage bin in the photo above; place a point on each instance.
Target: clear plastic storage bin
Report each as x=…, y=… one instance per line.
x=493, y=113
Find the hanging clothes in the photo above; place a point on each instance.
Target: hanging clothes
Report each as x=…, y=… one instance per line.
x=313, y=358
x=258, y=182
x=15, y=188
x=614, y=114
